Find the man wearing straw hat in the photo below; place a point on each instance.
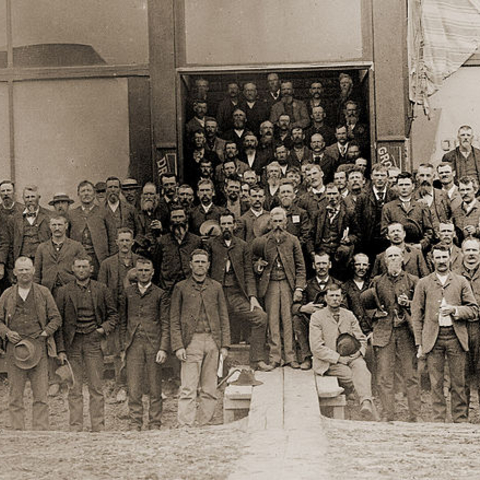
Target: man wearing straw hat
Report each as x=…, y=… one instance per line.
x=28, y=319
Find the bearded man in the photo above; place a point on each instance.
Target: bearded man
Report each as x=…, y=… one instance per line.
x=171, y=255
x=150, y=216
x=279, y=265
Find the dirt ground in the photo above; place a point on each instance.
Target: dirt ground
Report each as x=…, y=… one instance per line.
x=172, y=453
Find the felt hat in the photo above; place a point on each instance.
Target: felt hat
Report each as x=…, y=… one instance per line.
x=247, y=377
x=60, y=197
x=130, y=184
x=347, y=344
x=27, y=353
x=65, y=374
x=210, y=228
x=100, y=187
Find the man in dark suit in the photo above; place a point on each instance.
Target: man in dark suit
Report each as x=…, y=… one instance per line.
x=7, y=194
x=200, y=331
x=249, y=224
x=206, y=210
x=171, y=255
x=294, y=108
x=436, y=199
x=442, y=305
x=22, y=233
x=239, y=130
x=466, y=217
x=145, y=340
x=90, y=226
x=251, y=156
x=89, y=315
x=368, y=213
x=392, y=336
x=313, y=299
x=278, y=262
x=319, y=126
x=465, y=158
x=231, y=266
x=315, y=198
x=255, y=110
x=118, y=211
x=446, y=175
x=272, y=95
x=113, y=272
x=415, y=216
x=227, y=106
x=300, y=153
x=320, y=157
x=54, y=258
x=338, y=150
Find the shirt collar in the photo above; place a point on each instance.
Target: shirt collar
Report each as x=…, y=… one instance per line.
x=141, y=289
x=36, y=211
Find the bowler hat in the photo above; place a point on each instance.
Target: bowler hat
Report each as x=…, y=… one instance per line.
x=100, y=187
x=130, y=184
x=27, y=353
x=60, y=197
x=347, y=344
x=247, y=377
x=210, y=228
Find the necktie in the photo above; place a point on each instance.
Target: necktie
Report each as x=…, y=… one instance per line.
x=316, y=158
x=406, y=206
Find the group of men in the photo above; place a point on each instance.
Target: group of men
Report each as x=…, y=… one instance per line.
x=142, y=272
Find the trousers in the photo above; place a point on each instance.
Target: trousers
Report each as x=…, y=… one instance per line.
x=401, y=349
x=17, y=378
x=86, y=358
x=447, y=346
x=278, y=302
x=141, y=367
x=301, y=328
x=239, y=309
x=198, y=377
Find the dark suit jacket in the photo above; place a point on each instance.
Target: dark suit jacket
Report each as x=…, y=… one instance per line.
x=313, y=293
x=459, y=163
x=262, y=158
x=128, y=218
x=300, y=113
x=154, y=319
x=255, y=116
x=334, y=152
x=299, y=224
x=386, y=291
x=185, y=308
x=345, y=220
x=364, y=225
x=198, y=216
x=248, y=228
x=295, y=161
x=425, y=308
x=49, y=266
x=311, y=202
x=461, y=219
x=352, y=298
x=47, y=312
x=241, y=259
x=413, y=263
x=11, y=238
x=291, y=256
x=109, y=275
x=328, y=165
x=102, y=229
x=105, y=312
x=440, y=208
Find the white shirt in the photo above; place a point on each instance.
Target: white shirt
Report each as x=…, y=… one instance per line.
x=318, y=191
x=359, y=284
x=113, y=206
x=31, y=220
x=451, y=191
x=257, y=214
x=443, y=320
x=145, y=288
x=23, y=292
x=207, y=208
x=379, y=192
x=251, y=158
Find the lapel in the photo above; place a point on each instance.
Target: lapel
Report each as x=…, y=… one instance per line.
x=73, y=296
x=439, y=283
x=407, y=256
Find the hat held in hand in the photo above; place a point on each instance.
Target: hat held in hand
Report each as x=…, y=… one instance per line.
x=27, y=353
x=347, y=344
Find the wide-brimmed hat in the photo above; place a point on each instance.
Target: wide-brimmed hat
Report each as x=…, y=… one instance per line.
x=27, y=353
x=347, y=344
x=210, y=228
x=65, y=374
x=130, y=184
x=246, y=378
x=60, y=197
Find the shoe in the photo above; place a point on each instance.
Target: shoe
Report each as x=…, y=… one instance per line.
x=367, y=409
x=295, y=365
x=121, y=395
x=263, y=367
x=306, y=365
x=274, y=365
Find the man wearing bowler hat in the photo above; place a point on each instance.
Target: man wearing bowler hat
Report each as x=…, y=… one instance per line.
x=28, y=319
x=131, y=191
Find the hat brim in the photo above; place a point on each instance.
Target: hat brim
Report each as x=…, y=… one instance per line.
x=31, y=362
x=69, y=200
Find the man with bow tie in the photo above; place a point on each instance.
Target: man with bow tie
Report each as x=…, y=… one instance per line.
x=231, y=266
x=25, y=231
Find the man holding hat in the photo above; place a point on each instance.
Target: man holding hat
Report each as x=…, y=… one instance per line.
x=28, y=319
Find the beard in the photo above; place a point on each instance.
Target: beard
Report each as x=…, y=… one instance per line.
x=148, y=205
x=179, y=228
x=227, y=235
x=233, y=197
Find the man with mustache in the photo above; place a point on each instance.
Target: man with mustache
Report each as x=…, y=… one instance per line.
x=239, y=130
x=250, y=222
x=446, y=237
x=272, y=95
x=195, y=155
x=213, y=142
x=253, y=157
x=227, y=106
x=446, y=175
x=283, y=131
x=255, y=110
x=7, y=194
x=465, y=158
x=355, y=186
x=171, y=255
x=118, y=211
x=186, y=196
x=231, y=262
x=435, y=199
x=321, y=157
x=393, y=340
x=355, y=129
x=131, y=190
x=466, y=217
x=232, y=197
x=338, y=150
x=206, y=210
x=442, y=305
x=294, y=108
x=265, y=142
x=470, y=270
x=319, y=126
x=278, y=263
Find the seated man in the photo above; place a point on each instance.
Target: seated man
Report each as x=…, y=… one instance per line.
x=327, y=326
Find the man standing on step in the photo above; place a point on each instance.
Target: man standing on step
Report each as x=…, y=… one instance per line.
x=199, y=332
x=338, y=346
x=232, y=268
